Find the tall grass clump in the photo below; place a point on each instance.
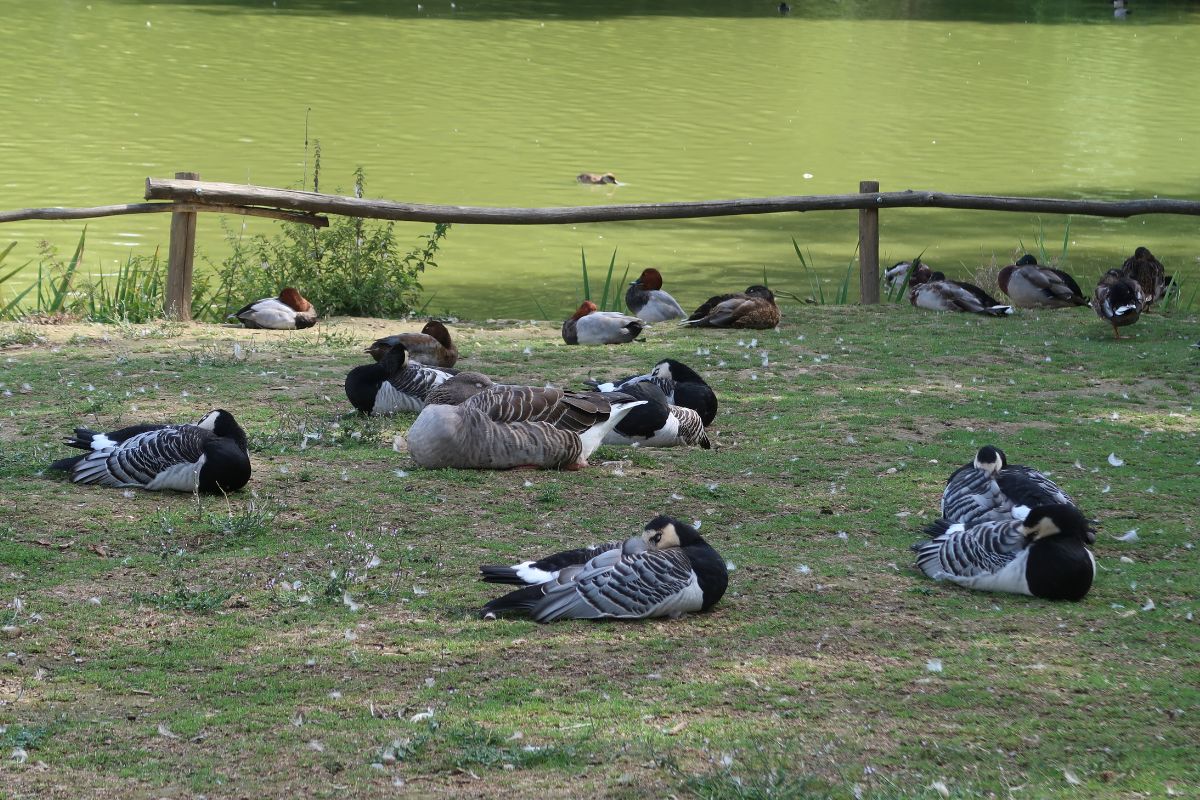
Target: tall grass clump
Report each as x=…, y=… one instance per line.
x=355, y=266
x=51, y=292
x=605, y=303
x=840, y=297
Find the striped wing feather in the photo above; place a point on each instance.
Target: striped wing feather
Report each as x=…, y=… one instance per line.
x=958, y=551
x=634, y=586
x=139, y=460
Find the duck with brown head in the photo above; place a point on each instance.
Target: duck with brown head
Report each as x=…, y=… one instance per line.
x=432, y=346
x=590, y=326
x=289, y=311
x=646, y=298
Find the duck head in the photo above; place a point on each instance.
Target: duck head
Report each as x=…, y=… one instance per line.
x=1055, y=520
x=1027, y=260
x=990, y=459
x=438, y=331
x=760, y=291
x=650, y=279
x=291, y=298
x=585, y=308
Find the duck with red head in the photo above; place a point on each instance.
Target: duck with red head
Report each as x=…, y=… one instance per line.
x=591, y=326
x=646, y=298
x=288, y=312
x=432, y=346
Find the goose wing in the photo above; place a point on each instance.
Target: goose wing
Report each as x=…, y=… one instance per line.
x=972, y=495
x=957, y=552
x=548, y=568
x=416, y=380
x=166, y=458
x=1026, y=488
x=632, y=586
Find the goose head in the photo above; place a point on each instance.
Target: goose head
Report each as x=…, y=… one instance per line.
x=663, y=533
x=1055, y=520
x=990, y=459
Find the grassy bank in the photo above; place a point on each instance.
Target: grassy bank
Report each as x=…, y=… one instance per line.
x=317, y=636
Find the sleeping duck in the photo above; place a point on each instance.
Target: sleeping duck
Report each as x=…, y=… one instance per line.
x=753, y=308
x=668, y=571
x=1119, y=299
x=1149, y=274
x=933, y=292
x=209, y=456
x=1031, y=285
x=596, y=178
x=646, y=298
x=1044, y=555
x=287, y=312
x=506, y=427
x=590, y=326
x=432, y=346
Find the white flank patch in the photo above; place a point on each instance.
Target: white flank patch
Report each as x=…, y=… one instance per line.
x=101, y=441
x=531, y=574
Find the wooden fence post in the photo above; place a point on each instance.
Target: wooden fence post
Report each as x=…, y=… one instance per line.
x=868, y=248
x=178, y=300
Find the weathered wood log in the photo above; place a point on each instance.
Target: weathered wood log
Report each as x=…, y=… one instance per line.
x=53, y=213
x=202, y=192
x=868, y=247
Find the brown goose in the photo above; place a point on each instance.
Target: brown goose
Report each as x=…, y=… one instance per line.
x=501, y=427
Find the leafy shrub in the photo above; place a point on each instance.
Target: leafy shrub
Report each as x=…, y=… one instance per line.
x=354, y=266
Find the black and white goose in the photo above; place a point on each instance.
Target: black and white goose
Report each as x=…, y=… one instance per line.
x=989, y=489
x=657, y=423
x=209, y=456
x=393, y=384
x=1043, y=556
x=682, y=385
x=668, y=571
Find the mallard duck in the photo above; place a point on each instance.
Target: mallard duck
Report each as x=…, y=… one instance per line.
x=596, y=177
x=393, y=384
x=753, y=308
x=893, y=276
x=658, y=423
x=989, y=489
x=210, y=456
x=934, y=292
x=1149, y=274
x=668, y=571
x=516, y=426
x=1119, y=300
x=287, y=312
x=1044, y=556
x=432, y=346
x=1031, y=285
x=682, y=385
x=646, y=298
x=589, y=326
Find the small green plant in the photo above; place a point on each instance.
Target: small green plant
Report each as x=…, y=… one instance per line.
x=353, y=267
x=53, y=284
x=183, y=598
x=1043, y=255
x=250, y=520
x=604, y=303
x=840, y=297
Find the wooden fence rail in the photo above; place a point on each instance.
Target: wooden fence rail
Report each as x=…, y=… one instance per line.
x=187, y=195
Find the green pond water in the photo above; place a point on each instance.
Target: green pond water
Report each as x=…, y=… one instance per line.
x=503, y=103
